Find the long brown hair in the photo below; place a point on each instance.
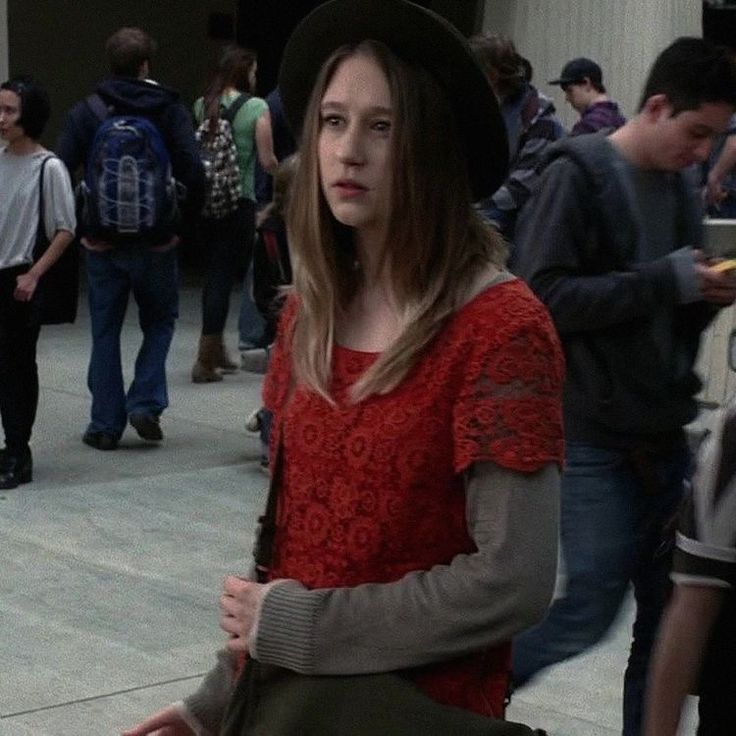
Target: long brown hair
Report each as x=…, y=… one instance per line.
x=437, y=244
x=233, y=70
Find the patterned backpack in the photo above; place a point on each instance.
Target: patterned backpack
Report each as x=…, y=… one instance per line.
x=220, y=159
x=129, y=192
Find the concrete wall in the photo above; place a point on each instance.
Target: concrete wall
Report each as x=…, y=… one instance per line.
x=62, y=43
x=623, y=36
x=3, y=39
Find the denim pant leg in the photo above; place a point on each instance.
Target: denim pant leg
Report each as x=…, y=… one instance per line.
x=156, y=291
x=598, y=531
x=655, y=540
x=18, y=368
x=108, y=285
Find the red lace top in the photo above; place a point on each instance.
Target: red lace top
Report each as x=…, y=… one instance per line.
x=374, y=490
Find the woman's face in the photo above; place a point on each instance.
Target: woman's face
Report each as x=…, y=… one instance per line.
x=354, y=145
x=9, y=116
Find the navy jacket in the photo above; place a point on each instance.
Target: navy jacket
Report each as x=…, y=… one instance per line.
x=158, y=103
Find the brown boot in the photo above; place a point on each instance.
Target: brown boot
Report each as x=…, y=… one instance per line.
x=222, y=358
x=205, y=369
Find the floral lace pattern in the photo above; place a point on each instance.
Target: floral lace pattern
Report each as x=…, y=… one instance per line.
x=374, y=490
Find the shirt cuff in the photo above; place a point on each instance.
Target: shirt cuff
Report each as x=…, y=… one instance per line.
x=285, y=632
x=683, y=263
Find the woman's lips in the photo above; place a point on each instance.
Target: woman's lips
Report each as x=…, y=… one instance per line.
x=350, y=188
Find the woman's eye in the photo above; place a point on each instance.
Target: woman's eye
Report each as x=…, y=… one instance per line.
x=382, y=126
x=331, y=121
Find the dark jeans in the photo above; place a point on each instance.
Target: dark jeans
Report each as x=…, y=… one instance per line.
x=151, y=276
x=228, y=243
x=18, y=370
x=616, y=529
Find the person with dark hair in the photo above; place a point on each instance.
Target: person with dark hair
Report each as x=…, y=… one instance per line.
x=415, y=386
x=582, y=82
x=229, y=240
x=531, y=125
x=609, y=242
x=37, y=225
x=146, y=268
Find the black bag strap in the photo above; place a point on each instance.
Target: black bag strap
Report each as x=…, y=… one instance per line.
x=41, y=227
x=98, y=107
x=233, y=108
x=263, y=551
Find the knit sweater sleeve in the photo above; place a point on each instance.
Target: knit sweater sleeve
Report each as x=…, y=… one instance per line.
x=478, y=600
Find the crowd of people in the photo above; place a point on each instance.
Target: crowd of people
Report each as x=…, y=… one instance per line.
x=485, y=355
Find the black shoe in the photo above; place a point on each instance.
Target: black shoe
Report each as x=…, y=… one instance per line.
x=100, y=440
x=147, y=427
x=15, y=470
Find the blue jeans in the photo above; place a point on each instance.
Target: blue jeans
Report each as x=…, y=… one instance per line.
x=152, y=277
x=617, y=528
x=251, y=324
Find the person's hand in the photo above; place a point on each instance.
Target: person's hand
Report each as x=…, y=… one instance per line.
x=167, y=722
x=240, y=602
x=717, y=286
x=25, y=287
x=714, y=192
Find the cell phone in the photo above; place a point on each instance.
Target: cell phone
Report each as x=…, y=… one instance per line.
x=728, y=265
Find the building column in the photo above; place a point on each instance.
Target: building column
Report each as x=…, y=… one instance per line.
x=623, y=36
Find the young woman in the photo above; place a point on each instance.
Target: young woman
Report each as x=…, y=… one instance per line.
x=415, y=385
x=228, y=240
x=24, y=165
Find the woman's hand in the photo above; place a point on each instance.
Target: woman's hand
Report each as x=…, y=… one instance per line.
x=25, y=287
x=241, y=602
x=167, y=722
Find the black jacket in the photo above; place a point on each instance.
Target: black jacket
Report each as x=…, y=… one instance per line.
x=577, y=245
x=158, y=103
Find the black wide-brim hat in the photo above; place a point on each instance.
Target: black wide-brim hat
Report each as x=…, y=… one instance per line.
x=420, y=37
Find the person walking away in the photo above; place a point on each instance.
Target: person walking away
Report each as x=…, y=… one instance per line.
x=227, y=234
x=133, y=220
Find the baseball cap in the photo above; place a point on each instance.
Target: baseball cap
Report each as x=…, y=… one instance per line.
x=577, y=70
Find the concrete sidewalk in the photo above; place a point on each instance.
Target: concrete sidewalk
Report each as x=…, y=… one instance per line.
x=112, y=561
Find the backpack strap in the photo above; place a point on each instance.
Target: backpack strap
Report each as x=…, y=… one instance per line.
x=233, y=108
x=98, y=107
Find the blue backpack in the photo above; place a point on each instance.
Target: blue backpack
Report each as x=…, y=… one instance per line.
x=129, y=193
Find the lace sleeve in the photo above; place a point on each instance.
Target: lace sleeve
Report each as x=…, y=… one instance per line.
x=509, y=410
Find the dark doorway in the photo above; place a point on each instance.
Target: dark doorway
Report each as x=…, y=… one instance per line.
x=265, y=25
x=719, y=22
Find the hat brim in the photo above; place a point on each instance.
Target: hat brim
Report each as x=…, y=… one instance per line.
x=420, y=37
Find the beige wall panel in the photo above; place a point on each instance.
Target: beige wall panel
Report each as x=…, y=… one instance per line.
x=623, y=36
x=62, y=43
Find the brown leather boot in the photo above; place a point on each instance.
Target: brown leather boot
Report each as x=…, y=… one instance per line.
x=205, y=369
x=223, y=361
